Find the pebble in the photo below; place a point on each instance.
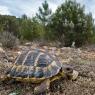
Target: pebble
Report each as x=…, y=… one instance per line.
x=13, y=93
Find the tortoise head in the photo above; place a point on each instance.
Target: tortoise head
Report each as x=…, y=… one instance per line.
x=69, y=72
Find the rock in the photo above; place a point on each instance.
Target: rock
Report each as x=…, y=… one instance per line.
x=28, y=44
x=91, y=74
x=1, y=50
x=13, y=93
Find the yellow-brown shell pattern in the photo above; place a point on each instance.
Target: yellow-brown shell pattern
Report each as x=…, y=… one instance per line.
x=34, y=64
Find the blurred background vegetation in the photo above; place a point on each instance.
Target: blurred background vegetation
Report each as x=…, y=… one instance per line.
x=68, y=24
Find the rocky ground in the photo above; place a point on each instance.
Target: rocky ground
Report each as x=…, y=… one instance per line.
x=82, y=60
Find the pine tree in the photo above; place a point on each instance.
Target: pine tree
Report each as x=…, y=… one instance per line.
x=44, y=13
x=71, y=24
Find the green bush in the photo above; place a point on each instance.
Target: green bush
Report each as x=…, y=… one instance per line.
x=71, y=21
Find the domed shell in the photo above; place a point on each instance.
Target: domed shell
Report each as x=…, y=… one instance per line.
x=35, y=64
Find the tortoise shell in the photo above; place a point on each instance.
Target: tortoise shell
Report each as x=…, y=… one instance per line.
x=34, y=65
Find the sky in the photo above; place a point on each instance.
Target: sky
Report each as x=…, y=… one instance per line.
x=30, y=7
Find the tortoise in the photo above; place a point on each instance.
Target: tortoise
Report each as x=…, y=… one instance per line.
x=36, y=66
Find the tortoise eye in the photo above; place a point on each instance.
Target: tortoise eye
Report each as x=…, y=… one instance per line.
x=68, y=69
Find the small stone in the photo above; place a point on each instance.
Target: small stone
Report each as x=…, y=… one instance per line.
x=1, y=50
x=28, y=44
x=13, y=93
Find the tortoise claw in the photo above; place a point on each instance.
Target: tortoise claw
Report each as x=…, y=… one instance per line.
x=75, y=75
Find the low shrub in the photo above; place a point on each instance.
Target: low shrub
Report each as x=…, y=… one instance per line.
x=8, y=40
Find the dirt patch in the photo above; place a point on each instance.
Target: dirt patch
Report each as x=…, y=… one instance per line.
x=84, y=85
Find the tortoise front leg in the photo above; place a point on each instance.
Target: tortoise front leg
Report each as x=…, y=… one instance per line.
x=44, y=86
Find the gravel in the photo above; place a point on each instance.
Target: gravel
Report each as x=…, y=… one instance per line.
x=83, y=85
